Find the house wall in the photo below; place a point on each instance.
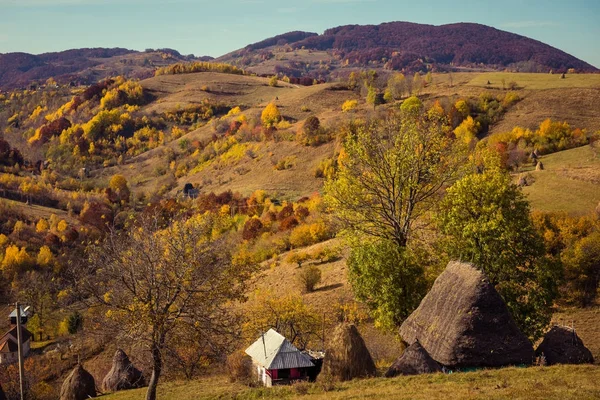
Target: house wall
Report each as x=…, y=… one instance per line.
x=8, y=358
x=262, y=375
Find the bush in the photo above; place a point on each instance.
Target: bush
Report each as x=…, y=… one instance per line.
x=288, y=223
x=252, y=228
x=301, y=236
x=239, y=368
x=349, y=105
x=297, y=257
x=309, y=277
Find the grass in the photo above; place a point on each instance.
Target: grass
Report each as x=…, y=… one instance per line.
x=570, y=182
x=557, y=382
x=535, y=81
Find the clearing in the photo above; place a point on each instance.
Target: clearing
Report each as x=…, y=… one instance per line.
x=570, y=182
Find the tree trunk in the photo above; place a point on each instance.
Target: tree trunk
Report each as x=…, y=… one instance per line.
x=156, y=371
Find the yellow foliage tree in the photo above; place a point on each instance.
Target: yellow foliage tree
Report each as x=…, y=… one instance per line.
x=467, y=130
x=62, y=226
x=462, y=107
x=45, y=257
x=42, y=226
x=14, y=259
x=270, y=115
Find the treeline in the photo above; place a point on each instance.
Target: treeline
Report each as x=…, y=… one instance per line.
x=181, y=68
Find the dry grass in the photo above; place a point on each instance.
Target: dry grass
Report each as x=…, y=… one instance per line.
x=558, y=382
x=569, y=182
x=535, y=81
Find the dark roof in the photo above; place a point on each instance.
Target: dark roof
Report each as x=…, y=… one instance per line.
x=13, y=332
x=9, y=346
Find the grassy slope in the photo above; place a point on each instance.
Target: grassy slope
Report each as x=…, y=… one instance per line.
x=569, y=182
x=243, y=173
x=559, y=382
x=575, y=99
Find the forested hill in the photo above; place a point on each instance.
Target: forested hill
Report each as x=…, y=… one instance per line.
x=83, y=66
x=405, y=45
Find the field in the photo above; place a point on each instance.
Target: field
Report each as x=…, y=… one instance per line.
x=570, y=182
x=532, y=81
x=557, y=382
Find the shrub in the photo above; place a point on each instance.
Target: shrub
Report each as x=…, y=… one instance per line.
x=239, y=367
x=309, y=277
x=270, y=115
x=297, y=257
x=288, y=223
x=301, y=236
x=284, y=163
x=349, y=105
x=286, y=211
x=252, y=228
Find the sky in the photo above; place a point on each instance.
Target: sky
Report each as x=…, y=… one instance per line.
x=217, y=27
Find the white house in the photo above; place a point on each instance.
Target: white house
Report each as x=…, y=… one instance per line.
x=276, y=361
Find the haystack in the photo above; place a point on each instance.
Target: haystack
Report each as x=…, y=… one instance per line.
x=414, y=361
x=539, y=166
x=561, y=345
x=463, y=322
x=79, y=385
x=123, y=375
x=347, y=356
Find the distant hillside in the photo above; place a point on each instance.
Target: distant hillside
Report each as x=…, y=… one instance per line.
x=83, y=66
x=407, y=46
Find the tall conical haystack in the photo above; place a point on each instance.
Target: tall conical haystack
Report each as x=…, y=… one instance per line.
x=414, y=361
x=463, y=322
x=561, y=345
x=123, y=375
x=347, y=356
x=79, y=385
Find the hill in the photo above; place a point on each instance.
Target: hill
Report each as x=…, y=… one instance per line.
x=83, y=66
x=402, y=46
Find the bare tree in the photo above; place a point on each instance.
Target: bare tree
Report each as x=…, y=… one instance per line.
x=155, y=283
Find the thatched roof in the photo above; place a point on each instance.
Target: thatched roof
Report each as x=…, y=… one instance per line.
x=79, y=385
x=347, y=356
x=561, y=345
x=414, y=361
x=463, y=322
x=123, y=375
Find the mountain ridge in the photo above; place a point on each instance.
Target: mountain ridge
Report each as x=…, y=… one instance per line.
x=415, y=47
x=394, y=46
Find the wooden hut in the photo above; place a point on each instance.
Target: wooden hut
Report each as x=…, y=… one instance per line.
x=276, y=361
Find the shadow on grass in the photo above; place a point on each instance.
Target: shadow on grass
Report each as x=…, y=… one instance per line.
x=328, y=287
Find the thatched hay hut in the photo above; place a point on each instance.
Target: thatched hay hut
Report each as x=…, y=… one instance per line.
x=414, y=361
x=79, y=385
x=539, y=166
x=561, y=345
x=463, y=322
x=347, y=356
x=123, y=375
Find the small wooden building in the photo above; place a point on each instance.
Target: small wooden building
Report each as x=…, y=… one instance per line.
x=276, y=361
x=9, y=348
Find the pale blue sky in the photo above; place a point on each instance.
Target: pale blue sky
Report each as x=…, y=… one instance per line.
x=209, y=27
